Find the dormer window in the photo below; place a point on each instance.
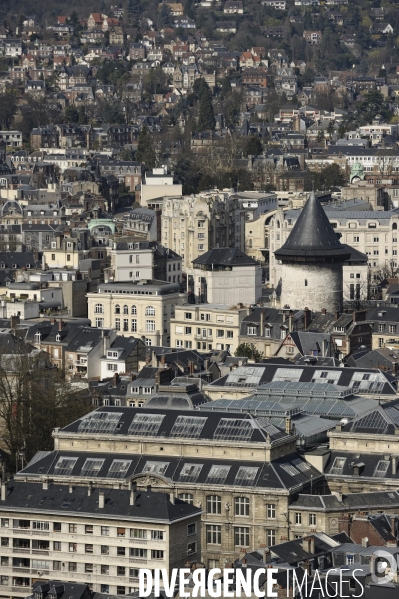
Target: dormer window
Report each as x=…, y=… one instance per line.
x=15, y=266
x=38, y=337
x=58, y=337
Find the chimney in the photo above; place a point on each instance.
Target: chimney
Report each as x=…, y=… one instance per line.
x=267, y=558
x=206, y=364
x=163, y=360
x=172, y=498
x=191, y=367
x=336, y=315
x=60, y=325
x=101, y=501
x=312, y=545
x=89, y=490
x=52, y=320
x=394, y=368
x=290, y=321
x=133, y=493
x=355, y=316
x=306, y=544
x=365, y=542
x=14, y=321
x=115, y=379
x=154, y=361
x=288, y=425
x=262, y=323
x=394, y=464
x=307, y=317
x=324, y=311
x=3, y=490
x=70, y=489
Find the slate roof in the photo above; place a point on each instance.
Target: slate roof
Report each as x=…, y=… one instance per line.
x=359, y=380
x=177, y=397
x=288, y=472
x=347, y=502
x=225, y=257
x=312, y=236
x=382, y=420
x=59, y=589
x=28, y=496
x=369, y=464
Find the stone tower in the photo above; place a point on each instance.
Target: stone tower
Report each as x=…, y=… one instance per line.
x=311, y=261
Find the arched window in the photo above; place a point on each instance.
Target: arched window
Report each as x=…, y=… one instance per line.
x=187, y=497
x=134, y=310
x=99, y=309
x=394, y=226
x=125, y=310
x=214, y=504
x=150, y=311
x=117, y=309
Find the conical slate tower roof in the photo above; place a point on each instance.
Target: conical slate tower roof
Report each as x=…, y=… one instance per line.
x=312, y=237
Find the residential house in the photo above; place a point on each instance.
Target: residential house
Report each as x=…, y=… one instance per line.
x=312, y=37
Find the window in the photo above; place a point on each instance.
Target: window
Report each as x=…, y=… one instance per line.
x=191, y=548
x=68, y=258
x=150, y=326
x=105, y=531
x=125, y=324
x=121, y=571
x=392, y=328
x=99, y=323
x=188, y=315
x=118, y=324
x=120, y=551
x=187, y=330
x=72, y=567
x=57, y=546
x=150, y=311
x=104, y=549
x=229, y=334
x=105, y=569
x=117, y=309
x=251, y=330
x=219, y=333
x=298, y=518
x=214, y=504
x=73, y=547
x=241, y=506
x=5, y=523
x=214, y=534
x=134, y=310
x=99, y=309
x=191, y=529
x=121, y=532
x=73, y=528
x=312, y=519
x=187, y=497
x=105, y=588
x=156, y=554
x=271, y=510
x=5, y=541
x=56, y=565
x=270, y=537
x=125, y=310
x=157, y=535
x=88, y=548
x=241, y=536
x=138, y=552
x=39, y=525
x=138, y=533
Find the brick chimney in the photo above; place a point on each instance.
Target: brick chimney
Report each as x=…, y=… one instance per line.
x=337, y=315
x=60, y=325
x=324, y=311
x=115, y=379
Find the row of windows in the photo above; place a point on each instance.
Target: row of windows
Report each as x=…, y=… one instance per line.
x=134, y=533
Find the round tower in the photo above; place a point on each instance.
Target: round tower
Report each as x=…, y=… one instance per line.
x=312, y=260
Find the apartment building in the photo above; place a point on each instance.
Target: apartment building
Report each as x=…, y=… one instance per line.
x=192, y=225
x=224, y=275
x=373, y=233
x=207, y=327
x=156, y=185
x=140, y=307
x=137, y=260
x=240, y=470
x=99, y=536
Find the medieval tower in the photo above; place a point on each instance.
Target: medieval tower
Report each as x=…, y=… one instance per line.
x=312, y=258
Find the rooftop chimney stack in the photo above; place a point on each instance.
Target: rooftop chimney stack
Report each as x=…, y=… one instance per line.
x=101, y=500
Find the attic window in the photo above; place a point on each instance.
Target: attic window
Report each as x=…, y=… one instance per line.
x=15, y=266
x=58, y=337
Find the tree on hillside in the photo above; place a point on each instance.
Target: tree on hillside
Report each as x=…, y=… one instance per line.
x=206, y=117
x=8, y=108
x=145, y=149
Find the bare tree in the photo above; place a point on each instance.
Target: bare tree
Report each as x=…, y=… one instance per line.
x=386, y=161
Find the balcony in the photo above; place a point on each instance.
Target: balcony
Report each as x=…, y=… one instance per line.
x=18, y=550
x=138, y=541
x=40, y=551
x=135, y=560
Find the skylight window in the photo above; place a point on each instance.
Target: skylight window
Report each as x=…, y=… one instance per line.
x=188, y=426
x=233, y=429
x=218, y=474
x=381, y=469
x=246, y=476
x=92, y=467
x=190, y=473
x=64, y=466
x=100, y=422
x=156, y=467
x=338, y=466
x=119, y=468
x=146, y=424
x=290, y=469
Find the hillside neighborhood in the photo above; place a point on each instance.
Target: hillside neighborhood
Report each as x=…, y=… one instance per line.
x=199, y=296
